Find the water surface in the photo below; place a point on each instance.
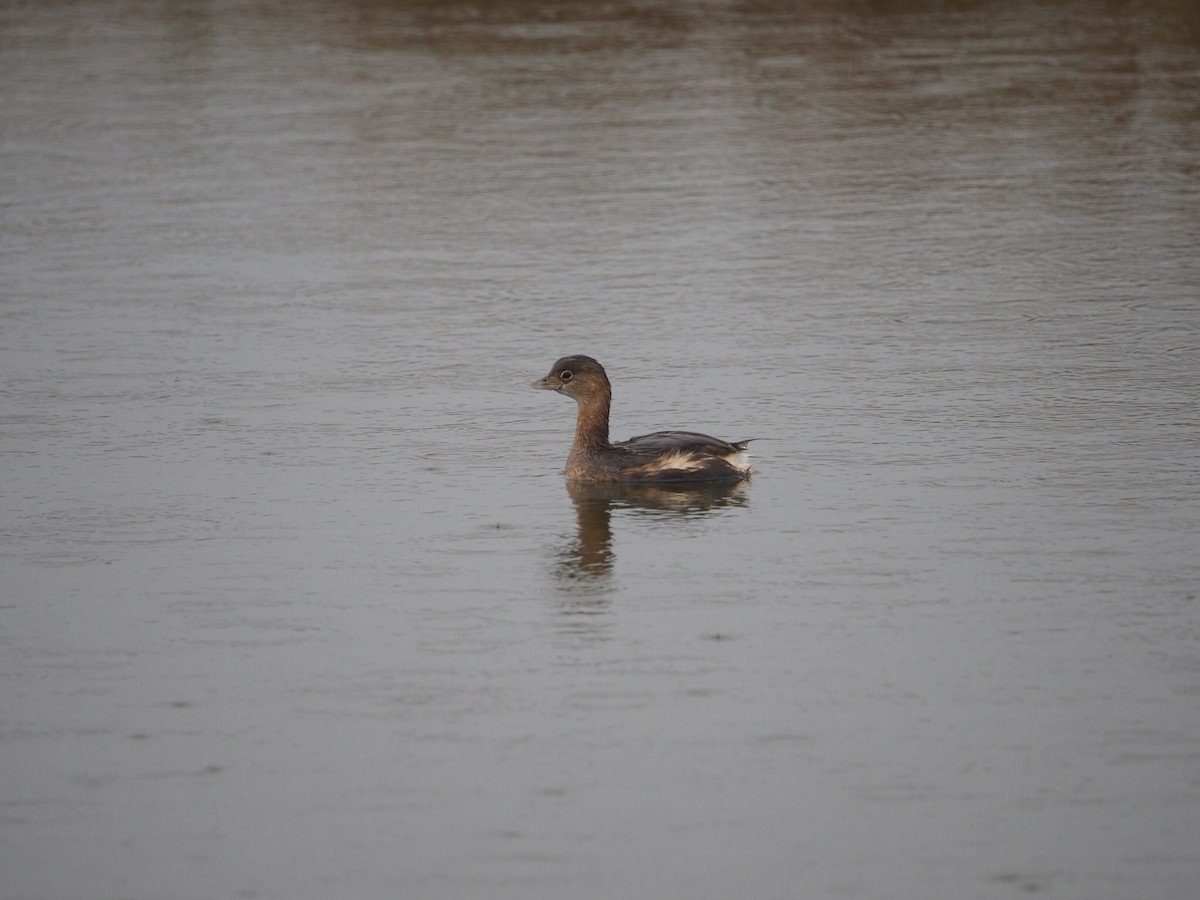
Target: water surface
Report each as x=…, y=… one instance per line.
x=296, y=602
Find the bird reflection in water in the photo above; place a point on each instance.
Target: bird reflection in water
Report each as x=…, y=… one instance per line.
x=585, y=565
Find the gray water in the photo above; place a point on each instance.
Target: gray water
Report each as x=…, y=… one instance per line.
x=295, y=601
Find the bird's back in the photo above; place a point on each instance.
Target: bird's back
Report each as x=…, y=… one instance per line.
x=682, y=456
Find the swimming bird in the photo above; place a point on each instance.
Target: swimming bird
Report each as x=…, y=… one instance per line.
x=664, y=456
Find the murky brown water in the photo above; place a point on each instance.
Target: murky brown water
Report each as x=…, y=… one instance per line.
x=295, y=603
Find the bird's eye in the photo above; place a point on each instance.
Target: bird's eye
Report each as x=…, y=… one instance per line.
x=565, y=375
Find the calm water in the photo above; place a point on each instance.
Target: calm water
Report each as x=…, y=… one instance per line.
x=295, y=601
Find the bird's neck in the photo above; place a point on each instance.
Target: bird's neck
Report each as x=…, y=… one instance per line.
x=591, y=425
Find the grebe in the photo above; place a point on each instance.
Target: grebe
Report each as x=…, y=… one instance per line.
x=663, y=456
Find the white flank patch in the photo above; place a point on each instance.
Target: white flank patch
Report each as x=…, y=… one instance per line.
x=740, y=461
x=674, y=462
x=685, y=461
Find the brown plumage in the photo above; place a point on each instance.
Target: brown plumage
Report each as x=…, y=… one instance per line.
x=672, y=456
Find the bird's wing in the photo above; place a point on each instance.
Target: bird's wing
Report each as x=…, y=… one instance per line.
x=665, y=441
